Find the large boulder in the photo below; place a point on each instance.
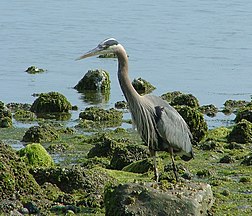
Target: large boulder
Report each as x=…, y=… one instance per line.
x=138, y=199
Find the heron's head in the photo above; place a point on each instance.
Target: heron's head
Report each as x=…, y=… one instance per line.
x=105, y=47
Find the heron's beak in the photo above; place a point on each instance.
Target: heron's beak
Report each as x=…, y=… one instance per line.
x=90, y=53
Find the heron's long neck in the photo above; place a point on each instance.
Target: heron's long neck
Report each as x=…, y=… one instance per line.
x=123, y=77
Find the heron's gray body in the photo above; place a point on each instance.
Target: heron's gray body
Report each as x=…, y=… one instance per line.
x=160, y=126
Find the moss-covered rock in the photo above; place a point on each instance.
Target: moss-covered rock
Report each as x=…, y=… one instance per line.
x=111, y=117
x=209, y=110
x=34, y=70
x=94, y=80
x=185, y=99
x=104, y=146
x=24, y=115
x=37, y=134
x=52, y=102
x=121, y=105
x=89, y=183
x=169, y=96
x=140, y=166
x=142, y=86
x=15, y=180
x=5, y=116
x=244, y=113
x=126, y=154
x=195, y=121
x=231, y=106
x=18, y=106
x=247, y=160
x=35, y=155
x=241, y=133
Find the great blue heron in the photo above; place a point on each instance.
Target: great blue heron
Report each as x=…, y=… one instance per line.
x=160, y=126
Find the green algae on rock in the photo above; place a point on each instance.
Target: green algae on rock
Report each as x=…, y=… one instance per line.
x=5, y=116
x=44, y=133
x=244, y=113
x=185, y=99
x=34, y=70
x=24, y=115
x=52, y=102
x=209, y=110
x=111, y=117
x=97, y=79
x=16, y=183
x=35, y=155
x=139, y=166
x=195, y=121
x=89, y=183
x=241, y=133
x=169, y=96
x=124, y=155
x=231, y=106
x=142, y=86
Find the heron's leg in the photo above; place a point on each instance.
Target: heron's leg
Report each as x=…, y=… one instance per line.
x=173, y=164
x=153, y=154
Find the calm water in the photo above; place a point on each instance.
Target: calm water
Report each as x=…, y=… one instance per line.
x=198, y=47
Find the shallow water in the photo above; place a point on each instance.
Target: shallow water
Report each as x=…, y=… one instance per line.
x=198, y=47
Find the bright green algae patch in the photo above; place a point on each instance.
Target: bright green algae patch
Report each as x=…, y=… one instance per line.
x=35, y=155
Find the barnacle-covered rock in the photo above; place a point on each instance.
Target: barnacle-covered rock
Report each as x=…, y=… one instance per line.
x=52, y=102
x=142, y=86
x=241, y=133
x=44, y=133
x=35, y=155
x=94, y=80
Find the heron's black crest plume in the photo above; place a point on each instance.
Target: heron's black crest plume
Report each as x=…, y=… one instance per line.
x=108, y=42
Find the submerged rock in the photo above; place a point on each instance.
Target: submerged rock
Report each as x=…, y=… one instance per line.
x=35, y=155
x=5, y=116
x=52, y=102
x=141, y=200
x=231, y=106
x=94, y=80
x=34, y=70
x=241, y=133
x=142, y=86
x=44, y=133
